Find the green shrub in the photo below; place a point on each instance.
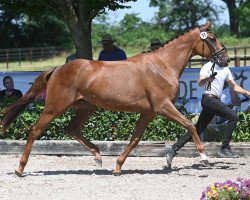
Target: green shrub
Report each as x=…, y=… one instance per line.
x=242, y=132
x=107, y=125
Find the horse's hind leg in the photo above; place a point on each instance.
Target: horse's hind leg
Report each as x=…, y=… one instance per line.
x=83, y=112
x=141, y=125
x=53, y=108
x=35, y=131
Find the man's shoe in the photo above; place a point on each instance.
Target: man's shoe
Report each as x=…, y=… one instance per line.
x=170, y=154
x=227, y=153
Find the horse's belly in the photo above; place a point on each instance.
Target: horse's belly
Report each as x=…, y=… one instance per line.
x=120, y=104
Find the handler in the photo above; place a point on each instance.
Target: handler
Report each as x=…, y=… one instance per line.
x=213, y=76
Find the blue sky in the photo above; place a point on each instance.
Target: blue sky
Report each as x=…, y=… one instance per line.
x=146, y=13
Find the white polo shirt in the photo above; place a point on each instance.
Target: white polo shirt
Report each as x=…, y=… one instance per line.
x=223, y=74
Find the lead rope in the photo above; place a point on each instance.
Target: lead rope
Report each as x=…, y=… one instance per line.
x=208, y=85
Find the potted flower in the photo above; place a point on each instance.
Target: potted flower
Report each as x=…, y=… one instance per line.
x=229, y=190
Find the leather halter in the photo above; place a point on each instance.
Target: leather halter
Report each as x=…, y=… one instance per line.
x=215, y=53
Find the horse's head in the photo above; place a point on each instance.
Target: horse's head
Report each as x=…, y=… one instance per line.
x=209, y=46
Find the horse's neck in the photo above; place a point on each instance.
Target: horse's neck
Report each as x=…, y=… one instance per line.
x=177, y=53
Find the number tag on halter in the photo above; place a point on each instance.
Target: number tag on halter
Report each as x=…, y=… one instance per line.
x=203, y=35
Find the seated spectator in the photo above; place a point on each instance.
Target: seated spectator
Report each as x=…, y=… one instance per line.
x=155, y=44
x=71, y=57
x=110, y=52
x=9, y=92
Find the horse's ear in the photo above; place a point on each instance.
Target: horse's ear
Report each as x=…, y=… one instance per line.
x=207, y=25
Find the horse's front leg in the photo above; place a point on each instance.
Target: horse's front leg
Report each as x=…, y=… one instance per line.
x=168, y=110
x=141, y=125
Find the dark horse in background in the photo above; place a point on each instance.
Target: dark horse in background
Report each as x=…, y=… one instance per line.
x=146, y=83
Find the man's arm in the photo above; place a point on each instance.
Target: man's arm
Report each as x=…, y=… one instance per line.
x=203, y=80
x=237, y=88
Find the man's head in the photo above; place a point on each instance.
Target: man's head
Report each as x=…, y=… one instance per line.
x=107, y=42
x=155, y=44
x=8, y=83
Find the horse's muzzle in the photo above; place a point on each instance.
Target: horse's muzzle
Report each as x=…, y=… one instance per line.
x=225, y=61
x=222, y=61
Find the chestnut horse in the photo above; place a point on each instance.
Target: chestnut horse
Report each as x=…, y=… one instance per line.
x=146, y=83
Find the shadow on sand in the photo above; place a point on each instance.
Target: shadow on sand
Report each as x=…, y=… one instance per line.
x=166, y=170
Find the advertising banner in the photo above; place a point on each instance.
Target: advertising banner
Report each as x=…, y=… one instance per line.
x=188, y=88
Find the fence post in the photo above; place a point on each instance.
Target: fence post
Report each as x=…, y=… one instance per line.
x=237, y=61
x=42, y=53
x=245, y=55
x=31, y=57
x=235, y=51
x=19, y=57
x=7, y=58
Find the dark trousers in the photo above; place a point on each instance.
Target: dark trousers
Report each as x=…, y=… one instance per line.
x=212, y=106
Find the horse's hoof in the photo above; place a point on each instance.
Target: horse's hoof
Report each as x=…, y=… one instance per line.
x=98, y=162
x=19, y=174
x=205, y=162
x=203, y=156
x=204, y=159
x=117, y=173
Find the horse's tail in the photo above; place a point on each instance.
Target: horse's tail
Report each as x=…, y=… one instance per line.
x=11, y=112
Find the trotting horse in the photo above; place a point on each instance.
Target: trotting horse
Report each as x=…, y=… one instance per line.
x=146, y=83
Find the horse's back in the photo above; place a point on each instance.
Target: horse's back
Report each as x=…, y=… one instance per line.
x=110, y=83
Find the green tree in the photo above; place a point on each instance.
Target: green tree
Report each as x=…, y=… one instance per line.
x=131, y=31
x=100, y=27
x=233, y=11
x=181, y=15
x=77, y=15
x=11, y=24
x=19, y=30
x=233, y=15
x=46, y=30
x=130, y=22
x=244, y=19
x=238, y=16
